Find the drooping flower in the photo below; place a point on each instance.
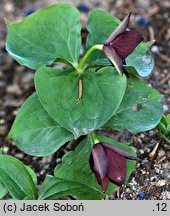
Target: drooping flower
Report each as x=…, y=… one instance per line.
x=121, y=43
x=109, y=163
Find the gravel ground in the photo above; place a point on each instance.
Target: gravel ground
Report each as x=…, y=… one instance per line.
x=152, y=174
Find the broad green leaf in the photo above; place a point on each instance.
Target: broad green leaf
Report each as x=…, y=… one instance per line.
x=16, y=178
x=100, y=25
x=3, y=190
x=54, y=188
x=140, y=109
x=0, y=151
x=75, y=169
x=130, y=164
x=102, y=93
x=52, y=33
x=35, y=132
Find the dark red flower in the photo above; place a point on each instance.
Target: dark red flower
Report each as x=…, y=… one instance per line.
x=120, y=44
x=109, y=163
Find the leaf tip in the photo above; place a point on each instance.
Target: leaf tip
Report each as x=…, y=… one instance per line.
x=150, y=43
x=7, y=22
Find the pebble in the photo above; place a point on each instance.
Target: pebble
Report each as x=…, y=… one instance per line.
x=12, y=103
x=14, y=90
x=27, y=78
x=141, y=151
x=168, y=195
x=9, y=7
x=144, y=4
x=19, y=155
x=133, y=181
x=83, y=8
x=157, y=170
x=143, y=21
x=58, y=160
x=154, y=49
x=29, y=11
x=3, y=130
x=153, y=178
x=142, y=195
x=165, y=108
x=2, y=121
x=161, y=153
x=5, y=149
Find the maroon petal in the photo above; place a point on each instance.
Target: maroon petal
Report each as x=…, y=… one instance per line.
x=100, y=160
x=105, y=183
x=114, y=58
x=119, y=151
x=116, y=168
x=126, y=42
x=120, y=29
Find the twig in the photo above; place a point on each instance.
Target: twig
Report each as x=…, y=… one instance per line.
x=151, y=33
x=165, y=79
x=152, y=11
x=164, y=57
x=153, y=152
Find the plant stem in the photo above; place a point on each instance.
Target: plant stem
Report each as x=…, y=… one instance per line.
x=87, y=55
x=95, y=140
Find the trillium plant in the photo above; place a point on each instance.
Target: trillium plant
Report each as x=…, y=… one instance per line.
x=100, y=90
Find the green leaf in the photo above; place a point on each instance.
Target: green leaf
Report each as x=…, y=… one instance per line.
x=1, y=151
x=52, y=33
x=100, y=25
x=16, y=178
x=164, y=128
x=54, y=188
x=35, y=132
x=3, y=190
x=75, y=169
x=130, y=164
x=32, y=174
x=101, y=96
x=140, y=109
x=141, y=60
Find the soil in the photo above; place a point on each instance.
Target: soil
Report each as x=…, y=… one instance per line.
x=151, y=179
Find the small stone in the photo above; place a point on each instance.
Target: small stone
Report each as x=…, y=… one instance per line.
x=161, y=153
x=58, y=160
x=5, y=149
x=14, y=90
x=3, y=130
x=83, y=8
x=2, y=121
x=157, y=170
x=143, y=21
x=29, y=11
x=161, y=182
x=154, y=49
x=141, y=151
x=9, y=7
x=168, y=195
x=165, y=108
x=142, y=195
x=145, y=4
x=19, y=155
